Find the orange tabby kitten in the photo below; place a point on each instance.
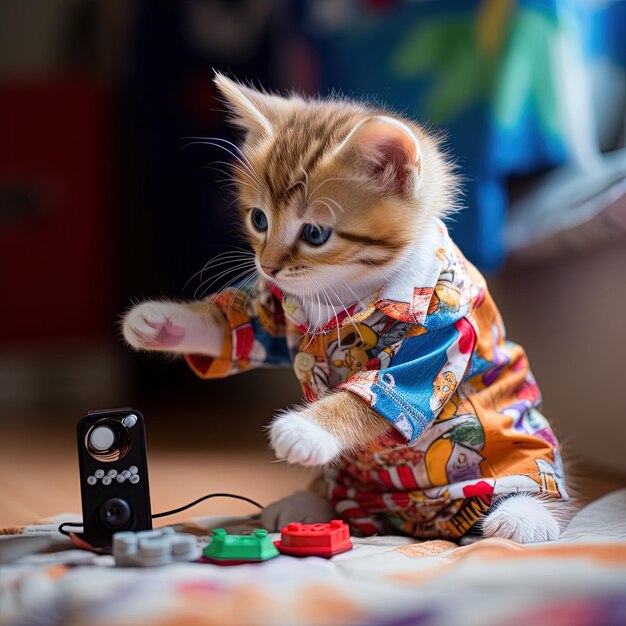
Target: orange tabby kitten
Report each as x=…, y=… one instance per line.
x=429, y=417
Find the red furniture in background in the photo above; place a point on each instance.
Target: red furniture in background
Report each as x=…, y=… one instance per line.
x=55, y=239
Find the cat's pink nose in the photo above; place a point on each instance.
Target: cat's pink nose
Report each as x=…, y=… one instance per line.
x=270, y=270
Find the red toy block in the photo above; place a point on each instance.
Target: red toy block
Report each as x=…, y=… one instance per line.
x=323, y=540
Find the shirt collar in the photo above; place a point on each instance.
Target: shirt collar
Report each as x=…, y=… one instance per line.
x=405, y=298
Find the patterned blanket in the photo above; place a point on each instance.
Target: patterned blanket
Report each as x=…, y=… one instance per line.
x=384, y=581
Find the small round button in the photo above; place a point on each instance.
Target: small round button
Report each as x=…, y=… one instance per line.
x=91, y=480
x=106, y=480
x=112, y=473
x=134, y=479
x=99, y=473
x=101, y=438
x=120, y=478
x=133, y=469
x=130, y=420
x=126, y=474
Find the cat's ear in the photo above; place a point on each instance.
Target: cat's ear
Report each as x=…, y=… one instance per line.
x=252, y=110
x=388, y=151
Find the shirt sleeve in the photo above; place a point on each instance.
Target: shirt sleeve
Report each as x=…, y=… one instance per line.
x=419, y=379
x=254, y=334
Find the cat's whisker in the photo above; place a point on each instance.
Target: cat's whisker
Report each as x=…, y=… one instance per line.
x=258, y=278
x=214, y=166
x=356, y=297
x=242, y=171
x=331, y=210
x=224, y=262
x=226, y=174
x=234, y=201
x=310, y=341
x=228, y=253
x=254, y=286
x=310, y=330
x=330, y=304
x=230, y=282
x=330, y=180
x=215, y=145
x=239, y=264
x=236, y=278
x=210, y=262
x=384, y=276
x=319, y=309
x=227, y=257
x=240, y=154
x=327, y=198
x=221, y=274
x=241, y=288
x=318, y=323
x=306, y=185
x=230, y=143
x=305, y=296
x=244, y=164
x=356, y=329
x=307, y=292
x=230, y=182
x=298, y=182
x=233, y=182
x=204, y=289
x=212, y=141
x=313, y=324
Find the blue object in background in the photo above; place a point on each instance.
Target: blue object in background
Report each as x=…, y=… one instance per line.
x=495, y=74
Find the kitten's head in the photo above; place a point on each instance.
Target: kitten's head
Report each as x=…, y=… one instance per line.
x=334, y=193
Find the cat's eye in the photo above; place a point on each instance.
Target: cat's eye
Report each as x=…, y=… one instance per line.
x=259, y=220
x=315, y=235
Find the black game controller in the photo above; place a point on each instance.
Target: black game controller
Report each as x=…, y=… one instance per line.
x=113, y=474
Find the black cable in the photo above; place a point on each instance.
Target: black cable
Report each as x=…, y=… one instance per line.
x=211, y=495
x=64, y=532
x=178, y=510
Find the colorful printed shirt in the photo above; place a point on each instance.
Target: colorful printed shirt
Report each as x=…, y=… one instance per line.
x=429, y=354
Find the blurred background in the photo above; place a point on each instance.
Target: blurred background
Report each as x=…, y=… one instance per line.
x=105, y=201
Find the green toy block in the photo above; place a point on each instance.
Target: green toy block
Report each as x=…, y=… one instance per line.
x=240, y=548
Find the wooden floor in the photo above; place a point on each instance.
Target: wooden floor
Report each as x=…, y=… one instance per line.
x=39, y=478
x=39, y=475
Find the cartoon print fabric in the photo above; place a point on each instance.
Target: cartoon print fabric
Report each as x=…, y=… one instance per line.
x=429, y=354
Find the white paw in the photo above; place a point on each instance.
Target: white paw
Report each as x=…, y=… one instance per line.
x=298, y=439
x=155, y=325
x=522, y=518
x=303, y=506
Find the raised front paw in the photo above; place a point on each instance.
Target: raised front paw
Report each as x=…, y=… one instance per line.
x=297, y=438
x=155, y=325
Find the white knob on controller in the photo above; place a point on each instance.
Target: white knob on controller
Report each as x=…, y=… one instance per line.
x=101, y=438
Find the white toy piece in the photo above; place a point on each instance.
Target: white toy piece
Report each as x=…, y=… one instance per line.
x=150, y=548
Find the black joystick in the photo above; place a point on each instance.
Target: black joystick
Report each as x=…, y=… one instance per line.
x=113, y=474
